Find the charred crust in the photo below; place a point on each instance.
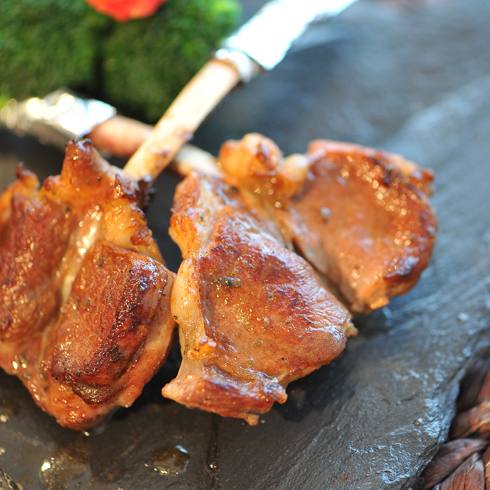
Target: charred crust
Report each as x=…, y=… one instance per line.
x=122, y=189
x=141, y=237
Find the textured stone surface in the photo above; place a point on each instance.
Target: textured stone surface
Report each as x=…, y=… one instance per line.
x=415, y=82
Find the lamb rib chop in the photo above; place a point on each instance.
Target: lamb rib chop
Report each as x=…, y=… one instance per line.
x=51, y=247
x=85, y=313
x=253, y=315
x=360, y=216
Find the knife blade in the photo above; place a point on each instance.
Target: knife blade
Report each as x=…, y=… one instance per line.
x=268, y=36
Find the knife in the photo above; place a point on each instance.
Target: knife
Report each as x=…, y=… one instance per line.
x=259, y=45
x=267, y=37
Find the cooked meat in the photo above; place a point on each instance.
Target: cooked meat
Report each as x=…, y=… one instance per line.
x=87, y=307
x=253, y=315
x=36, y=239
x=85, y=316
x=26, y=185
x=359, y=215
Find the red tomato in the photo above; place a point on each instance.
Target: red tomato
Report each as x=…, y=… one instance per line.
x=124, y=10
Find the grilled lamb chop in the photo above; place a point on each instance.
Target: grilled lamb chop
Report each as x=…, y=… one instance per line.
x=359, y=215
x=253, y=315
x=85, y=298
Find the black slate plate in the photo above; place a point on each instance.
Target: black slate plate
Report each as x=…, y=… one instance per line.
x=414, y=81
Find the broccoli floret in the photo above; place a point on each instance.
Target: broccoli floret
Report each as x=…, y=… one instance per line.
x=139, y=66
x=47, y=44
x=148, y=61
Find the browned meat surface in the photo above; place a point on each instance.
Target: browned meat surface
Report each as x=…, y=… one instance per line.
x=113, y=331
x=34, y=246
x=360, y=216
x=85, y=315
x=26, y=185
x=253, y=315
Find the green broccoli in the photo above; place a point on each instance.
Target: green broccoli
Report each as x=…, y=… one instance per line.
x=139, y=66
x=148, y=61
x=46, y=44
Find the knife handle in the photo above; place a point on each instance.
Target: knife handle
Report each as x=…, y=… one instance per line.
x=198, y=98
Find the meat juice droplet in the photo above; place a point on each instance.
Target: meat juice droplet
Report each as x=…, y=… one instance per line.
x=66, y=465
x=170, y=460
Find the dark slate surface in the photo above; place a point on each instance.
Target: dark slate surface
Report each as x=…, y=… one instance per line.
x=412, y=81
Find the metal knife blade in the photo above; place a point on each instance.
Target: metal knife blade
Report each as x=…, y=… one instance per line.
x=267, y=37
